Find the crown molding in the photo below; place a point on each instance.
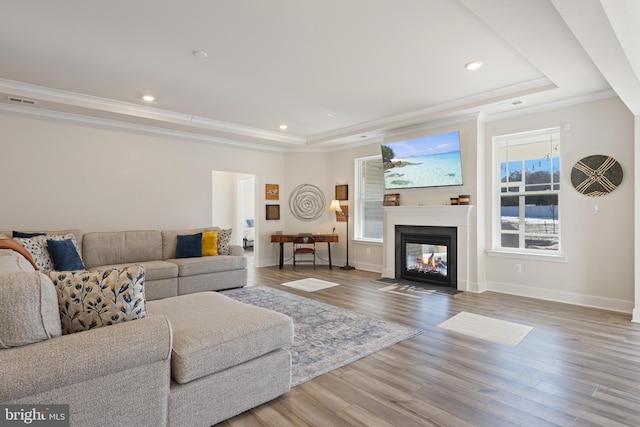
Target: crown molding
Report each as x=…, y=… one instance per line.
x=596, y=96
x=130, y=127
x=97, y=104
x=341, y=139
x=441, y=111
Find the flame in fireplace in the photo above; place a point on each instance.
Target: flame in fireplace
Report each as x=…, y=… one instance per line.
x=430, y=263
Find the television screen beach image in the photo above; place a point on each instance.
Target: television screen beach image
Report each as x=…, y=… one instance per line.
x=431, y=161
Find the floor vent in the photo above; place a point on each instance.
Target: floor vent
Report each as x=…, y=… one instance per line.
x=18, y=100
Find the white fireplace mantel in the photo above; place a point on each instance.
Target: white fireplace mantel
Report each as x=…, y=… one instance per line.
x=443, y=216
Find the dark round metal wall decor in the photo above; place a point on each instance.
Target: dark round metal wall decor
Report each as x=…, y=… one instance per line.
x=596, y=175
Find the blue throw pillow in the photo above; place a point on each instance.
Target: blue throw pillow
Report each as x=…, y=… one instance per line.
x=189, y=246
x=64, y=255
x=26, y=235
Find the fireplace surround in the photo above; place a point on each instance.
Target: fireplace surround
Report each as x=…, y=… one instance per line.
x=441, y=216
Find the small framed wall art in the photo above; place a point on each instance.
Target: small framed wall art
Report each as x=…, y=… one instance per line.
x=342, y=192
x=391, y=200
x=273, y=212
x=342, y=216
x=272, y=191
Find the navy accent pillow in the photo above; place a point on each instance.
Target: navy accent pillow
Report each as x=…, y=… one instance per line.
x=26, y=235
x=65, y=255
x=189, y=246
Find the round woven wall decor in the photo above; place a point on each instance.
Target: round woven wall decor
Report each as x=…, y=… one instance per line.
x=596, y=175
x=307, y=202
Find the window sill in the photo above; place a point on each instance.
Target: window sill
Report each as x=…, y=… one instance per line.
x=528, y=256
x=361, y=241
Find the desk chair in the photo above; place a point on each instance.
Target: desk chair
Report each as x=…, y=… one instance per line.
x=304, y=245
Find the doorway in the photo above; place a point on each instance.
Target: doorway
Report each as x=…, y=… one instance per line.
x=233, y=206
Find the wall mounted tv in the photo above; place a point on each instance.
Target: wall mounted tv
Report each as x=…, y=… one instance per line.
x=431, y=161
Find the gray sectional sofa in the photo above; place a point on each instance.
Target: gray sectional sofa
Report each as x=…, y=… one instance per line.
x=155, y=250
x=196, y=358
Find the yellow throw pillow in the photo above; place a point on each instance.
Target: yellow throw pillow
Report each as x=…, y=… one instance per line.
x=210, y=243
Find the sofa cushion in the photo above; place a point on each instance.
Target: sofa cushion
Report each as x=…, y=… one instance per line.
x=65, y=255
x=76, y=232
x=121, y=247
x=189, y=245
x=25, y=235
x=224, y=240
x=92, y=299
x=38, y=247
x=210, y=243
x=17, y=248
x=11, y=260
x=28, y=309
x=170, y=240
x=212, y=332
x=154, y=270
x=205, y=265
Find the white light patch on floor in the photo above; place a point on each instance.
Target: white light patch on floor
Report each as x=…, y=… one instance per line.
x=310, y=284
x=487, y=328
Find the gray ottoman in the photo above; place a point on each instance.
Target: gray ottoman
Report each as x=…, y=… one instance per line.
x=227, y=356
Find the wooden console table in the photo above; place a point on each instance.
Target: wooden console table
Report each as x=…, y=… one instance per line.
x=288, y=238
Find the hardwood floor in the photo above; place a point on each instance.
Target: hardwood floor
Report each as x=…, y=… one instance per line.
x=578, y=367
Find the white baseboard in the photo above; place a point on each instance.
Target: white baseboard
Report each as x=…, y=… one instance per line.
x=636, y=315
x=265, y=262
x=374, y=268
x=474, y=287
x=387, y=272
x=612, y=304
x=276, y=261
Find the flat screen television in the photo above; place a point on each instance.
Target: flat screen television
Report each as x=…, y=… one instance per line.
x=430, y=161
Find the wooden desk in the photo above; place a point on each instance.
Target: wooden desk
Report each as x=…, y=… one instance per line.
x=288, y=238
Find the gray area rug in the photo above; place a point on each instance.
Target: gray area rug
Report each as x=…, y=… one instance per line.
x=326, y=337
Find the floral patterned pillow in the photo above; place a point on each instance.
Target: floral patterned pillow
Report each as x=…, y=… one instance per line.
x=39, y=250
x=224, y=238
x=92, y=299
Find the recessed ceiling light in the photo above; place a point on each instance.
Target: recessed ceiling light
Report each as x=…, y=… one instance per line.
x=148, y=98
x=283, y=127
x=473, y=65
x=200, y=54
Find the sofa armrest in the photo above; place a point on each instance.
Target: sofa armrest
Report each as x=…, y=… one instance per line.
x=71, y=359
x=236, y=250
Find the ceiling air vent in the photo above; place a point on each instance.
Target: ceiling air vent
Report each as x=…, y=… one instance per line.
x=18, y=100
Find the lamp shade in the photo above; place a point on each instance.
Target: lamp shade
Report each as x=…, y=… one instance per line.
x=335, y=206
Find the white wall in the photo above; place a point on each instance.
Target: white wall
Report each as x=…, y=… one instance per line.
x=342, y=171
x=223, y=205
x=246, y=186
x=636, y=207
x=598, y=248
x=57, y=175
x=306, y=168
x=367, y=255
x=441, y=195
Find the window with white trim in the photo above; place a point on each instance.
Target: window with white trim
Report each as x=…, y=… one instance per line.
x=528, y=191
x=369, y=180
